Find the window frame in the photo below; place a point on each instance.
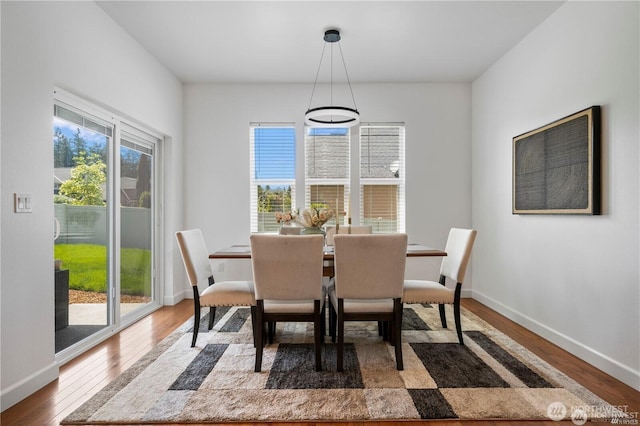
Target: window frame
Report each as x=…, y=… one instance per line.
x=254, y=182
x=350, y=205
x=340, y=201
x=398, y=181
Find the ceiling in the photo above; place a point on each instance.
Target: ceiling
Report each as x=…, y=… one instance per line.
x=282, y=41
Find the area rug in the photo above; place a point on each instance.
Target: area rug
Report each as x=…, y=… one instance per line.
x=490, y=377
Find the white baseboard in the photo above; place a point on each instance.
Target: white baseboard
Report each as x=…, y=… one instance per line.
x=608, y=365
x=29, y=385
x=178, y=297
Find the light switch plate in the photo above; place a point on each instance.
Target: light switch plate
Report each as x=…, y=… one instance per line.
x=23, y=203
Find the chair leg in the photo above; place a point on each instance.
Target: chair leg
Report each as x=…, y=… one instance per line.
x=340, y=332
x=212, y=315
x=318, y=333
x=443, y=317
x=385, y=331
x=271, y=330
x=253, y=324
x=259, y=337
x=397, y=332
x=332, y=322
x=456, y=312
x=196, y=315
x=323, y=315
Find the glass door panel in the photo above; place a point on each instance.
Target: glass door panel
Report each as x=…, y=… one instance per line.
x=81, y=235
x=136, y=223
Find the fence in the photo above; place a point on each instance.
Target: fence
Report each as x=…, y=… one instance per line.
x=88, y=225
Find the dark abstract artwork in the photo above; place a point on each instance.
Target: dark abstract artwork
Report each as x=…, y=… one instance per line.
x=556, y=168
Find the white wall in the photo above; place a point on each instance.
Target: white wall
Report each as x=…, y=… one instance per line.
x=216, y=155
x=76, y=46
x=571, y=279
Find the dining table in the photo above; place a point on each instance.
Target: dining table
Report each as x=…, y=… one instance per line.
x=244, y=252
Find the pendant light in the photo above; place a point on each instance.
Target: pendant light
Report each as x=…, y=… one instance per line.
x=332, y=115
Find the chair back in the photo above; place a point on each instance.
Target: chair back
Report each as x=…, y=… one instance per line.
x=370, y=266
x=331, y=231
x=459, y=245
x=290, y=230
x=195, y=257
x=287, y=267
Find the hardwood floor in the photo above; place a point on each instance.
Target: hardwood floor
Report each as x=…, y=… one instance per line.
x=86, y=375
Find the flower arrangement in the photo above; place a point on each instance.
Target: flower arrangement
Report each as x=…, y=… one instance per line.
x=286, y=218
x=314, y=217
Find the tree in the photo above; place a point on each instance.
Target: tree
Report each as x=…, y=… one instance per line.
x=85, y=186
x=143, y=181
x=79, y=145
x=62, y=152
x=129, y=162
x=263, y=199
x=271, y=200
x=145, y=200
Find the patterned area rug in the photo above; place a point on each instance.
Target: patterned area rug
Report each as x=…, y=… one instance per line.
x=491, y=377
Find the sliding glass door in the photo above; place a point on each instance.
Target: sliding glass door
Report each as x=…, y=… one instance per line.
x=104, y=187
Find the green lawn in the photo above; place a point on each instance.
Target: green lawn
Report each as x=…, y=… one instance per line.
x=87, y=265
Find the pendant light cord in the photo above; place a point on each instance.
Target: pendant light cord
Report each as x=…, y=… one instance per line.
x=315, y=82
x=348, y=80
x=344, y=64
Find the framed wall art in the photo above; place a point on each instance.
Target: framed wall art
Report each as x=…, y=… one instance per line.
x=556, y=168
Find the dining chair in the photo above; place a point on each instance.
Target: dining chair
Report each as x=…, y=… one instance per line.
x=454, y=265
x=368, y=282
x=330, y=234
x=347, y=229
x=293, y=230
x=287, y=274
x=224, y=293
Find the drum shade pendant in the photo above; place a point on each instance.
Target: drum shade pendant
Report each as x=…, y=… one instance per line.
x=332, y=115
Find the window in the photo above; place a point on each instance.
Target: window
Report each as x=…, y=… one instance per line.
x=273, y=173
x=376, y=195
x=382, y=177
x=327, y=170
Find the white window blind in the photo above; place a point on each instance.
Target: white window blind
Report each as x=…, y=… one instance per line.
x=382, y=177
x=273, y=173
x=327, y=170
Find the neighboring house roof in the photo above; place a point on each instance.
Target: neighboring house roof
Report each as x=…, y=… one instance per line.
x=61, y=174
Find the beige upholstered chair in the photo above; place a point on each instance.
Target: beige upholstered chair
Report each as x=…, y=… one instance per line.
x=454, y=266
x=347, y=229
x=290, y=230
x=225, y=293
x=369, y=277
x=330, y=234
x=287, y=273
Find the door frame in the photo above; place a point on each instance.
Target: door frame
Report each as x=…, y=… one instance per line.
x=115, y=322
